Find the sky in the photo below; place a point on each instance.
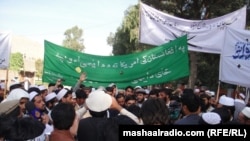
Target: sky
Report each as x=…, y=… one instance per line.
x=42, y=20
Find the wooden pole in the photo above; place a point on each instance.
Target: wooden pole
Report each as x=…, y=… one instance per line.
x=6, y=84
x=237, y=92
x=247, y=95
x=218, y=92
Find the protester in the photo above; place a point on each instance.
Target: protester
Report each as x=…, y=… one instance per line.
x=10, y=108
x=99, y=126
x=80, y=98
x=43, y=91
x=129, y=90
x=154, y=93
x=228, y=103
x=129, y=100
x=140, y=96
x=16, y=128
x=79, y=84
x=244, y=116
x=22, y=96
x=20, y=129
x=65, y=122
x=154, y=112
x=36, y=109
x=191, y=108
x=206, y=107
x=239, y=104
x=165, y=95
x=50, y=101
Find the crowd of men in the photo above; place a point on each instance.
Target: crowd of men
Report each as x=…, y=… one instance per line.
x=90, y=114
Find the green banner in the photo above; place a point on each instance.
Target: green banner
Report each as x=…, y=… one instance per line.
x=158, y=65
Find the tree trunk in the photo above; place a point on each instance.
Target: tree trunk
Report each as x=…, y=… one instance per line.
x=193, y=69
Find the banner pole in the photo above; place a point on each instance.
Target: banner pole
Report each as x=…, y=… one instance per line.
x=218, y=92
x=237, y=92
x=6, y=84
x=247, y=95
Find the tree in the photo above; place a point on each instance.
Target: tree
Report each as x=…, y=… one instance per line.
x=16, y=61
x=121, y=41
x=39, y=67
x=73, y=39
x=125, y=40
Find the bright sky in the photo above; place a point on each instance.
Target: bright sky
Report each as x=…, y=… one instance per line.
x=48, y=20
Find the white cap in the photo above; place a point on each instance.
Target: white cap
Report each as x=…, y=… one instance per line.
x=98, y=101
x=227, y=101
x=138, y=87
x=61, y=94
x=246, y=111
x=212, y=93
x=2, y=85
x=32, y=95
x=41, y=87
x=141, y=91
x=242, y=96
x=211, y=118
x=196, y=90
x=17, y=94
x=74, y=95
x=112, y=84
x=50, y=96
x=207, y=92
x=7, y=107
x=147, y=91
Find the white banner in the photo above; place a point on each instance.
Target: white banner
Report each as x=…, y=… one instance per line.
x=207, y=36
x=235, y=58
x=5, y=49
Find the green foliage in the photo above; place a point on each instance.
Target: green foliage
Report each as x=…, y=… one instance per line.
x=16, y=61
x=39, y=67
x=121, y=43
x=73, y=39
x=131, y=23
x=111, y=39
x=125, y=40
x=208, y=69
